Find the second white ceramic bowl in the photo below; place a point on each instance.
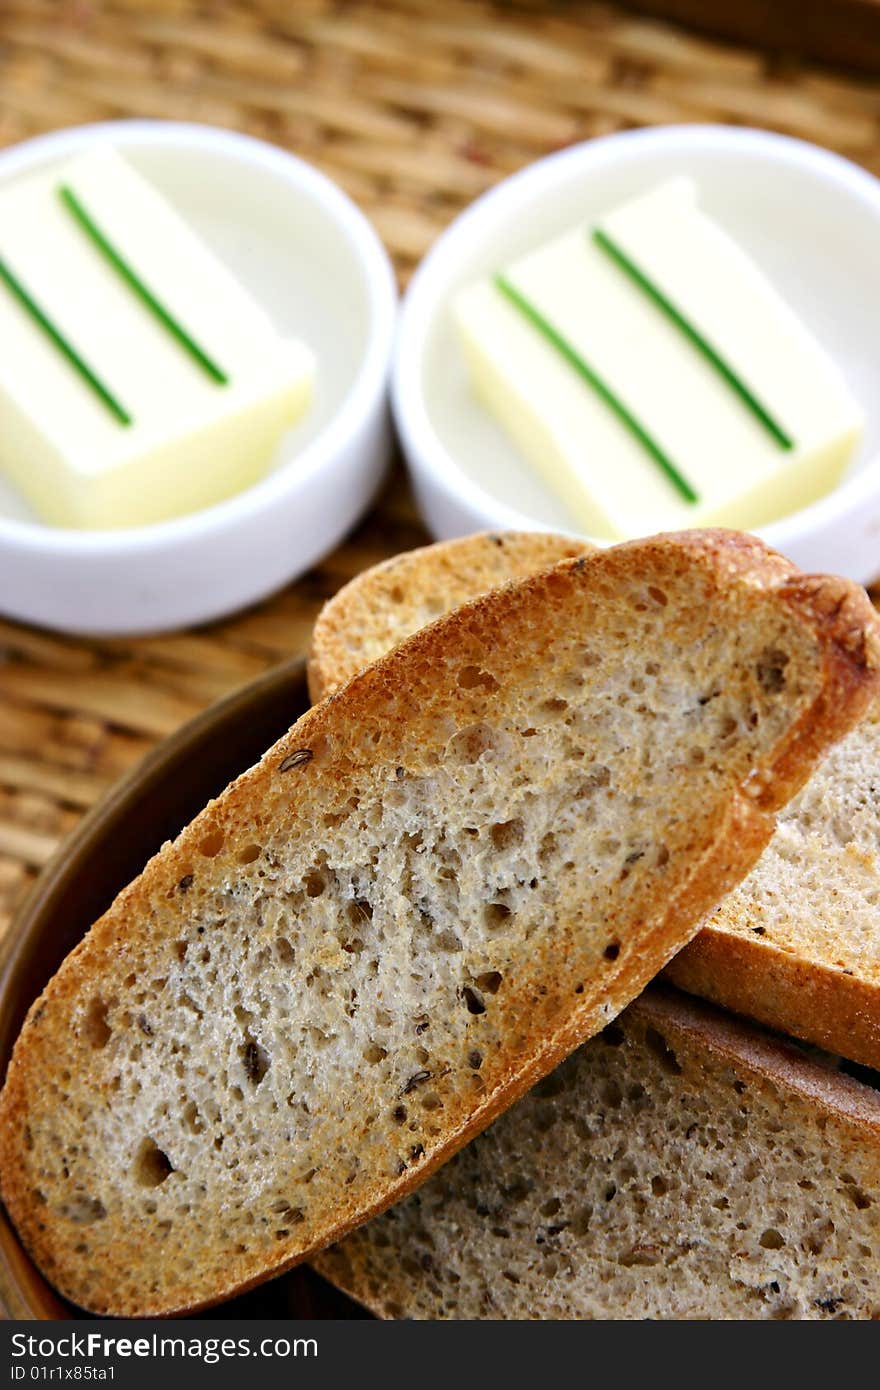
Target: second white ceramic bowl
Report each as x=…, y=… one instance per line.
x=810, y=219
x=314, y=261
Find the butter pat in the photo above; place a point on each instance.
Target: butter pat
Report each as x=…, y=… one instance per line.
x=142, y=426
x=655, y=378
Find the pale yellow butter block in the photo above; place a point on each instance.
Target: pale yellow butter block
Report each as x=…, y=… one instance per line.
x=192, y=441
x=718, y=445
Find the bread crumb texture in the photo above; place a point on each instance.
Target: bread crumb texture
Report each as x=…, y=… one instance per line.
x=674, y=1167
x=430, y=891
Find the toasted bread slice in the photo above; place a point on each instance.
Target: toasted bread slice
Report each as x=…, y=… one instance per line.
x=796, y=946
x=680, y=1165
x=431, y=890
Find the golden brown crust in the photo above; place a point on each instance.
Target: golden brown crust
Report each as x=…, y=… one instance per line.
x=331, y=754
x=754, y=1052
x=826, y=1005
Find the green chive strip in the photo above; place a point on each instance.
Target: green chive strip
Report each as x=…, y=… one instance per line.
x=126, y=272
x=602, y=390
x=63, y=344
x=693, y=335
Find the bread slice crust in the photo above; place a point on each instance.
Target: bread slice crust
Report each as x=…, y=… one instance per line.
x=108, y=1131
x=797, y=958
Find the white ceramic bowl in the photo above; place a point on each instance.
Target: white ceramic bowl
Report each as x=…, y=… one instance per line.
x=811, y=220
x=314, y=261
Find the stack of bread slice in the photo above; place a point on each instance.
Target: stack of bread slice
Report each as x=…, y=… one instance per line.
x=685, y=1163
x=451, y=873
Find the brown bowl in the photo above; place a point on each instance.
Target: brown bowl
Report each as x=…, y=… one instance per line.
x=108, y=848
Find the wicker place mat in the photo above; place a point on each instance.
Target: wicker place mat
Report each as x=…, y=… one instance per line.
x=414, y=108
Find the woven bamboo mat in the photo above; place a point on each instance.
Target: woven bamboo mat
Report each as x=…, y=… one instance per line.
x=415, y=108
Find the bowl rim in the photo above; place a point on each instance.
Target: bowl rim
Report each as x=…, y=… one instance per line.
x=380, y=288
x=424, y=448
